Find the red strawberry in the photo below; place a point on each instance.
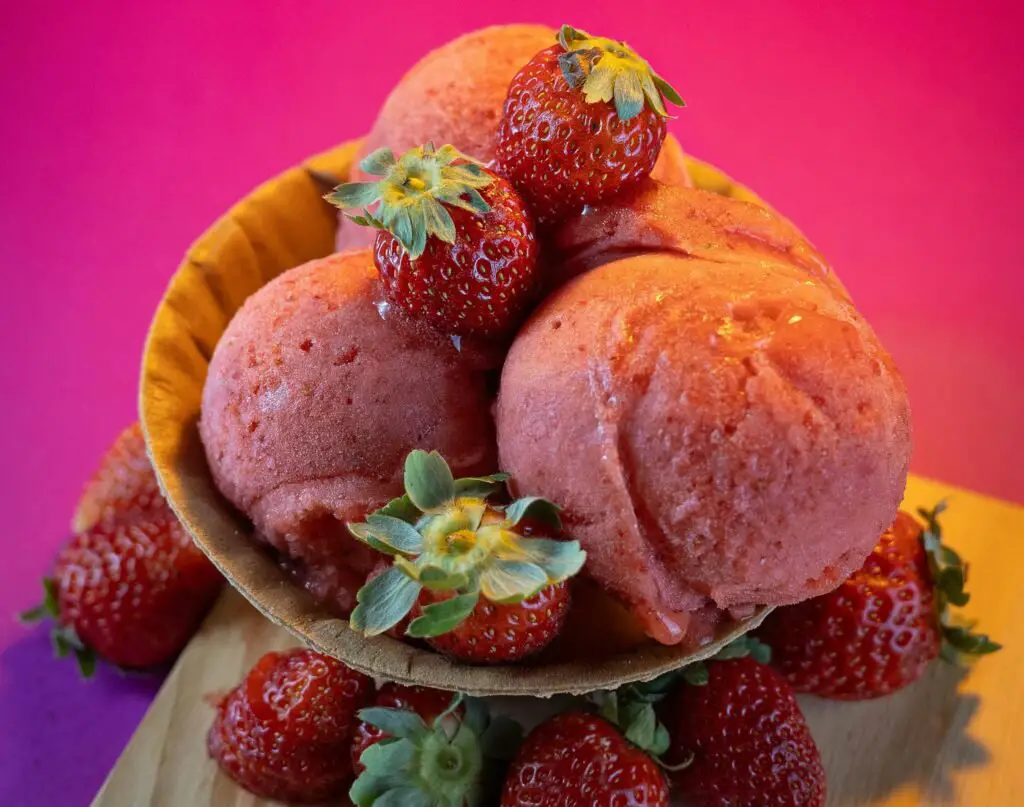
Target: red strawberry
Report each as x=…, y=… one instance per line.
x=133, y=593
x=581, y=760
x=746, y=738
x=880, y=629
x=494, y=633
x=429, y=704
x=131, y=586
x=484, y=586
x=456, y=246
x=284, y=732
x=123, y=486
x=583, y=120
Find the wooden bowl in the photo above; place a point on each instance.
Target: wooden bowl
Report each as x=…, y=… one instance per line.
x=282, y=224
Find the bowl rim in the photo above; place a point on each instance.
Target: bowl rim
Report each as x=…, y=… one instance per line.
x=174, y=347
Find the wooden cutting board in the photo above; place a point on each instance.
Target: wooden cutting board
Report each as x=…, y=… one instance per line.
x=950, y=739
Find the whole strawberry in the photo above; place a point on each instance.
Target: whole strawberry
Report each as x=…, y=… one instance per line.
x=429, y=704
x=580, y=760
x=284, y=732
x=131, y=586
x=739, y=738
x=456, y=246
x=477, y=586
x=881, y=628
x=583, y=120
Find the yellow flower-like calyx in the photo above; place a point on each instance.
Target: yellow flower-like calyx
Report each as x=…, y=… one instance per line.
x=444, y=535
x=609, y=70
x=414, y=193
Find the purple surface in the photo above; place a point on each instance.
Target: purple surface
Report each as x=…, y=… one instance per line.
x=890, y=132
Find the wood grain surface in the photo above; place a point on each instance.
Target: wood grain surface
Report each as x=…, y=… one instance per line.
x=950, y=739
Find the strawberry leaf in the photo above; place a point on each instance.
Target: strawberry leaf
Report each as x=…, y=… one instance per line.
x=428, y=480
x=86, y=661
x=49, y=607
x=964, y=641
x=395, y=533
x=745, y=646
x=438, y=578
x=511, y=581
x=401, y=508
x=33, y=615
x=536, y=508
x=384, y=601
x=949, y=578
x=668, y=90
x=354, y=194
x=629, y=95
x=640, y=725
x=442, y=617
x=560, y=560
x=480, y=487
x=399, y=723
x=364, y=533
x=378, y=163
x=696, y=674
x=452, y=708
x=387, y=765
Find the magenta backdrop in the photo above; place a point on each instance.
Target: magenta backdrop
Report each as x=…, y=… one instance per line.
x=891, y=132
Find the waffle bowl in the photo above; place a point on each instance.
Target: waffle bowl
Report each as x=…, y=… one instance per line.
x=280, y=225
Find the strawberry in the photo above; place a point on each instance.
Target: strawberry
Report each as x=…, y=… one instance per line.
x=130, y=586
x=430, y=758
x=881, y=628
x=464, y=568
x=583, y=120
x=284, y=732
x=429, y=704
x=494, y=633
x=456, y=246
x=739, y=738
x=123, y=486
x=579, y=760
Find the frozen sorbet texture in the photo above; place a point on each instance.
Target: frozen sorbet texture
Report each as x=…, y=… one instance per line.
x=719, y=431
x=314, y=398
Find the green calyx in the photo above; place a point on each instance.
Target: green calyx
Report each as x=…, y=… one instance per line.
x=607, y=70
x=632, y=708
x=64, y=638
x=444, y=764
x=949, y=577
x=697, y=674
x=414, y=193
x=444, y=536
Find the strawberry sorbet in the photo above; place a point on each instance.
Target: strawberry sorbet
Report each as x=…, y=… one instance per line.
x=719, y=431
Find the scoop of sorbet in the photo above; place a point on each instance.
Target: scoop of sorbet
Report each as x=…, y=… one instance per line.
x=315, y=395
x=727, y=432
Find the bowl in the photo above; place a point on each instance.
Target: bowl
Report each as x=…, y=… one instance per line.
x=281, y=224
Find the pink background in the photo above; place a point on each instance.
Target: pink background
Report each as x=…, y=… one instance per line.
x=890, y=131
